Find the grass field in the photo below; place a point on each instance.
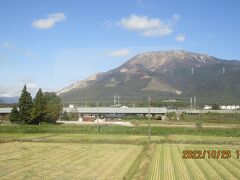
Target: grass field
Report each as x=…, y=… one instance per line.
x=40, y=160
x=29, y=160
x=78, y=152
x=167, y=163
x=107, y=129
x=116, y=138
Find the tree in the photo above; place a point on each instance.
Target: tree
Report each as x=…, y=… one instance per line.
x=14, y=116
x=53, y=107
x=25, y=106
x=215, y=106
x=65, y=116
x=73, y=116
x=39, y=106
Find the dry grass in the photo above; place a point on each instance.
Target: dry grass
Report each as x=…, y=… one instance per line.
x=168, y=164
x=29, y=160
x=84, y=156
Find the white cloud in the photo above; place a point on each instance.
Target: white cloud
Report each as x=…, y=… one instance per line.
x=49, y=22
x=11, y=90
x=7, y=45
x=140, y=3
x=119, y=53
x=2, y=58
x=134, y=22
x=181, y=37
x=149, y=27
x=29, y=53
x=15, y=90
x=15, y=50
x=176, y=17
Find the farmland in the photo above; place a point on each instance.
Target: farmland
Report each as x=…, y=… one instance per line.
x=27, y=160
x=167, y=163
x=108, y=129
x=78, y=152
x=65, y=161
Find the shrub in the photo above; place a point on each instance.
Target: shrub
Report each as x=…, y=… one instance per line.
x=199, y=124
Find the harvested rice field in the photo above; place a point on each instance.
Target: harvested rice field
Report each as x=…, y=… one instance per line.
x=168, y=163
x=37, y=160
x=66, y=157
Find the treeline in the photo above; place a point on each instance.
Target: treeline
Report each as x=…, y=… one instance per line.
x=45, y=107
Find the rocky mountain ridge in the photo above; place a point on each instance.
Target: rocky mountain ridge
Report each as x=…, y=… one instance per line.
x=163, y=74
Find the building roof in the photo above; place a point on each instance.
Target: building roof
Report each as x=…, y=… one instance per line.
x=5, y=110
x=120, y=110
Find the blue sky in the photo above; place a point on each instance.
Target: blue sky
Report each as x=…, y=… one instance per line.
x=51, y=44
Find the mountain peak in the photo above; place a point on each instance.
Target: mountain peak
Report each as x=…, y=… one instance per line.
x=175, y=53
x=171, y=59
x=163, y=74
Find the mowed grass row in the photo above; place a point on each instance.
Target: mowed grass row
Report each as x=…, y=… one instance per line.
x=167, y=163
x=29, y=160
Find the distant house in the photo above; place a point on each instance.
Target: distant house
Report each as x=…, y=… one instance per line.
x=207, y=107
x=229, y=107
x=88, y=118
x=123, y=107
x=71, y=106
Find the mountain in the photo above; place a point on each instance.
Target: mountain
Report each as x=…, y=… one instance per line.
x=9, y=100
x=165, y=75
x=2, y=101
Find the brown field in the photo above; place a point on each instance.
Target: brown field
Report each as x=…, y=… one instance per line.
x=167, y=163
x=29, y=160
x=91, y=156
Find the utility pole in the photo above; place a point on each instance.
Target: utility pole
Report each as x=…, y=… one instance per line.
x=118, y=101
x=133, y=103
x=149, y=120
x=61, y=108
x=192, y=71
x=223, y=70
x=194, y=101
x=114, y=103
x=75, y=110
x=191, y=102
x=97, y=119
